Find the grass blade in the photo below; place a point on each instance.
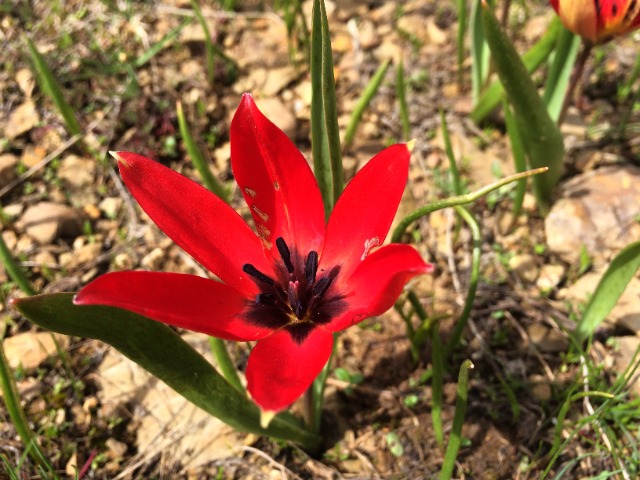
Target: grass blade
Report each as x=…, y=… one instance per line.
x=198, y=158
x=462, y=28
x=555, y=88
x=363, y=102
x=325, y=136
x=540, y=134
x=532, y=59
x=437, y=362
x=480, y=53
x=209, y=48
x=401, y=93
x=52, y=89
x=519, y=160
x=12, y=402
x=164, y=41
x=448, y=148
x=473, y=279
x=458, y=420
x=611, y=286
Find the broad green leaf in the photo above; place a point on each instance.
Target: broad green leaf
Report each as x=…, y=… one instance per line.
x=532, y=59
x=555, y=88
x=363, y=102
x=540, y=135
x=162, y=352
x=50, y=86
x=519, y=160
x=609, y=290
x=325, y=135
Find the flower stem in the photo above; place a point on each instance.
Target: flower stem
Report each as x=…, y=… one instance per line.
x=458, y=200
x=225, y=364
x=575, y=79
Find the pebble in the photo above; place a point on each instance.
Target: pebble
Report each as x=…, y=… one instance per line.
x=22, y=119
x=76, y=172
x=525, y=267
x=46, y=221
x=29, y=349
x=8, y=173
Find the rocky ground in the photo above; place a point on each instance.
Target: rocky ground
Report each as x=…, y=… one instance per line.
x=69, y=219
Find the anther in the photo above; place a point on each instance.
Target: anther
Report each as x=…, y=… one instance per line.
x=257, y=274
x=311, y=267
x=321, y=287
x=265, y=299
x=284, y=253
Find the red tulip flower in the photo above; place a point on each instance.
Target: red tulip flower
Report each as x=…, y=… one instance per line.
x=290, y=286
x=598, y=20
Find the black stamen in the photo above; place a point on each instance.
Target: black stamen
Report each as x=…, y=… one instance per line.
x=257, y=274
x=311, y=268
x=265, y=299
x=321, y=287
x=284, y=253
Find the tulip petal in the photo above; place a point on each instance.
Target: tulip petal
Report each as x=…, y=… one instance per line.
x=364, y=212
x=377, y=282
x=196, y=219
x=281, y=368
x=276, y=181
x=181, y=300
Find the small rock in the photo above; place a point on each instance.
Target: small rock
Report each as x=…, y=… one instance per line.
x=22, y=119
x=46, y=221
x=524, y=266
x=279, y=113
x=110, y=206
x=627, y=347
x=550, y=276
x=8, y=164
x=540, y=387
x=597, y=210
x=25, y=80
x=547, y=339
x=76, y=172
x=91, y=211
x=84, y=255
x=116, y=449
x=28, y=350
x=32, y=156
x=13, y=210
x=153, y=260
x=72, y=466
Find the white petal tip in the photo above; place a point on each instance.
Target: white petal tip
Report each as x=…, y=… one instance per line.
x=411, y=144
x=266, y=417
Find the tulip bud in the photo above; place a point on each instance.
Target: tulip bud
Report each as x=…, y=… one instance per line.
x=598, y=21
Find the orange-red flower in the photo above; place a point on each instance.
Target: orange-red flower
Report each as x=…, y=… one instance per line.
x=291, y=284
x=598, y=20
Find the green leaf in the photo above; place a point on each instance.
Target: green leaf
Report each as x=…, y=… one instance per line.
x=51, y=87
x=555, y=89
x=363, y=102
x=540, y=135
x=532, y=59
x=325, y=135
x=609, y=290
x=162, y=352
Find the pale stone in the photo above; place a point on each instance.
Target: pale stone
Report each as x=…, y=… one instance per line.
x=8, y=164
x=22, y=119
x=546, y=338
x=46, y=221
x=550, y=276
x=597, y=210
x=525, y=267
x=76, y=172
x=28, y=350
x=32, y=155
x=279, y=114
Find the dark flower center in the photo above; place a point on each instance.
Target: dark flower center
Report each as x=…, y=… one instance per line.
x=298, y=298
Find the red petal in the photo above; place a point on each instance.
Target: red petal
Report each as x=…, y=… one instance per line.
x=377, y=282
x=184, y=301
x=276, y=181
x=364, y=212
x=197, y=220
x=280, y=370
